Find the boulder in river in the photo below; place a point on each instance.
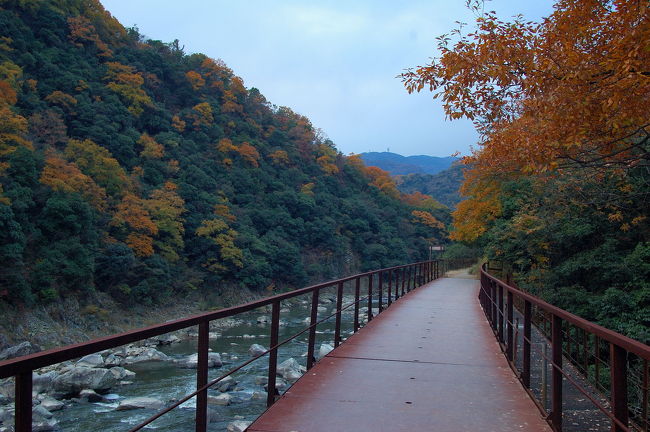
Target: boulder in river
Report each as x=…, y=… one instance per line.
x=223, y=399
x=140, y=403
x=143, y=354
x=42, y=383
x=191, y=362
x=51, y=404
x=324, y=350
x=291, y=370
x=238, y=426
x=91, y=360
x=81, y=377
x=90, y=395
x=256, y=350
x=120, y=373
x=226, y=384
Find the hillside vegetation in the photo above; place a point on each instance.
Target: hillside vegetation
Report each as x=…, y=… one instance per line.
x=396, y=164
x=132, y=168
x=444, y=186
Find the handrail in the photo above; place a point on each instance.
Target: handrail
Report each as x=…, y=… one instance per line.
x=499, y=301
x=410, y=276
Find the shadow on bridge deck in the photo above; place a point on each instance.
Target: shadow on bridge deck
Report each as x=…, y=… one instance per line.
x=428, y=363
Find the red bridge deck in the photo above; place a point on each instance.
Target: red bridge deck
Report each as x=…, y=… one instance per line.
x=428, y=363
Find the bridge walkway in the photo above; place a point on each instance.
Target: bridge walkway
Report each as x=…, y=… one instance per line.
x=428, y=363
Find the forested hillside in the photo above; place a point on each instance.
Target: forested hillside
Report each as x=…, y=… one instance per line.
x=397, y=164
x=130, y=167
x=444, y=186
x=559, y=189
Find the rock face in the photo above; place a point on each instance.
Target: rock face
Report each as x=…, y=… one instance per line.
x=140, y=403
x=81, y=377
x=291, y=370
x=256, y=350
x=19, y=350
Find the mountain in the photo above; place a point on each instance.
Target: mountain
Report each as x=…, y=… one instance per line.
x=397, y=164
x=132, y=169
x=443, y=186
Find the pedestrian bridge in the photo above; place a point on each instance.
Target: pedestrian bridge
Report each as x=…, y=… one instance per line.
x=426, y=353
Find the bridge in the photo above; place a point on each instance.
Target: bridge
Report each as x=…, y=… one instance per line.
x=436, y=353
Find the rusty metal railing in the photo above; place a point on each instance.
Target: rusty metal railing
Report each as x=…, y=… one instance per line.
x=590, y=350
x=387, y=284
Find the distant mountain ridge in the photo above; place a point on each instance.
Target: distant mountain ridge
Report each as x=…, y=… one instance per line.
x=397, y=164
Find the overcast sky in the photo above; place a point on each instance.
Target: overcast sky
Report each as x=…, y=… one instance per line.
x=332, y=61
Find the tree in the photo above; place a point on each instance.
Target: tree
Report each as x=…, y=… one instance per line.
x=568, y=93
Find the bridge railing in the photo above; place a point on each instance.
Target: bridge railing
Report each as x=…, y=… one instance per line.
x=599, y=362
x=383, y=287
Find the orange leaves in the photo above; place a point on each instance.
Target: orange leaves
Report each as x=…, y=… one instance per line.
x=195, y=79
x=279, y=157
x=178, y=123
x=427, y=219
x=66, y=177
x=7, y=94
x=418, y=199
x=249, y=154
x=382, y=181
x=573, y=89
x=82, y=31
x=225, y=145
x=150, y=148
x=141, y=244
x=98, y=163
x=132, y=211
x=473, y=215
x=327, y=158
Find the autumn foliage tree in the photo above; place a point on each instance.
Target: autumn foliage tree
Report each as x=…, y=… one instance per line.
x=571, y=92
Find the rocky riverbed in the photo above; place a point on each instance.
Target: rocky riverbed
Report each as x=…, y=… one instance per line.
x=121, y=387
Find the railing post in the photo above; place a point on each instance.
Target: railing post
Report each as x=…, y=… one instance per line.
x=273, y=355
x=509, y=329
x=493, y=301
x=556, y=376
x=397, y=272
x=527, y=334
x=23, y=420
x=403, y=280
x=380, y=290
x=313, y=318
x=390, y=286
x=410, y=279
x=618, y=370
x=339, y=304
x=370, y=278
x=201, y=420
x=357, y=286
x=502, y=315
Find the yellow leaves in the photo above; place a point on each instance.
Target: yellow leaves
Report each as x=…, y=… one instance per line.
x=132, y=212
x=62, y=99
x=127, y=83
x=418, y=199
x=166, y=208
x=218, y=231
x=151, y=149
x=10, y=72
x=98, y=163
x=201, y=115
x=472, y=216
x=12, y=128
x=325, y=162
x=307, y=189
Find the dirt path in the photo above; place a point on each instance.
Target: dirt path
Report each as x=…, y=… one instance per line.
x=461, y=274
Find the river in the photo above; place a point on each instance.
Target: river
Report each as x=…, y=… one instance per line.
x=167, y=382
